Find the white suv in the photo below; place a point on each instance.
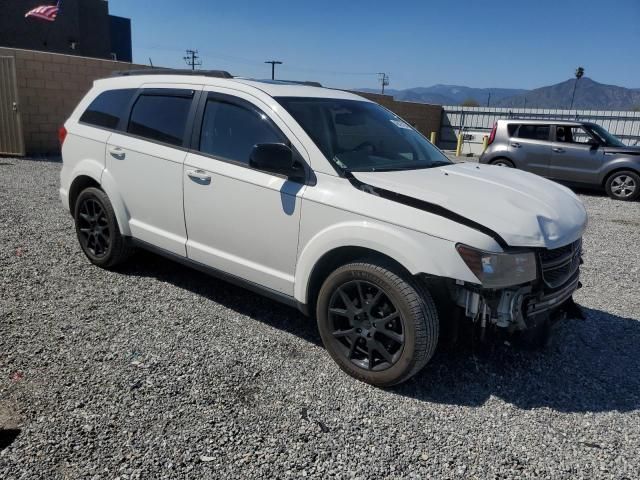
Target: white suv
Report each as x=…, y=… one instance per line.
x=323, y=200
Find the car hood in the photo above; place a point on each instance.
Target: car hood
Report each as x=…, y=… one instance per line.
x=522, y=208
x=629, y=150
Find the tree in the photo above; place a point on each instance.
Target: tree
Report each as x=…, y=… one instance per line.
x=579, y=74
x=636, y=108
x=470, y=102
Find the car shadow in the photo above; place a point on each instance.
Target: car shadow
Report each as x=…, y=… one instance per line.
x=591, y=365
x=240, y=300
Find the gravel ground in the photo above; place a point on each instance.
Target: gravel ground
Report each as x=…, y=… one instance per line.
x=157, y=371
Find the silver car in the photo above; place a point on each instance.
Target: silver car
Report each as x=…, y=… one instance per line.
x=577, y=153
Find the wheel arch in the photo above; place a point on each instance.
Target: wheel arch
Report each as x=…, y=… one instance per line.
x=617, y=169
x=92, y=177
x=411, y=252
x=334, y=259
x=79, y=184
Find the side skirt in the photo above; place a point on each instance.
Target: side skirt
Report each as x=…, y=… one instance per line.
x=227, y=277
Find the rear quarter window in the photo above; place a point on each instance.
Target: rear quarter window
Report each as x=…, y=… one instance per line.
x=107, y=108
x=533, y=132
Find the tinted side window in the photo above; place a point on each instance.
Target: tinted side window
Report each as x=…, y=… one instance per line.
x=534, y=132
x=106, y=110
x=161, y=118
x=231, y=131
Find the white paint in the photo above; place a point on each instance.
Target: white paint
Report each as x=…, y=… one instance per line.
x=271, y=231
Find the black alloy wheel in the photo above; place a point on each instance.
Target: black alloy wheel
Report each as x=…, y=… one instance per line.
x=377, y=321
x=93, y=227
x=97, y=229
x=367, y=324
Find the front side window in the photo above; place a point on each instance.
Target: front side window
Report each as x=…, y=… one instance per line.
x=162, y=118
x=362, y=136
x=107, y=108
x=231, y=131
x=568, y=134
x=534, y=132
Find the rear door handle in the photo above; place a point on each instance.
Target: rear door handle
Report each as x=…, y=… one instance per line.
x=117, y=152
x=516, y=144
x=199, y=176
x=558, y=150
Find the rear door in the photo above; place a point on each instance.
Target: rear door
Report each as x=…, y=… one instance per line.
x=530, y=147
x=577, y=156
x=145, y=159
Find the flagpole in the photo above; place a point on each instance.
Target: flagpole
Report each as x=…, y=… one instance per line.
x=46, y=37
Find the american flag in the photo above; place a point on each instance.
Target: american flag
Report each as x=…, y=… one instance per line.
x=45, y=12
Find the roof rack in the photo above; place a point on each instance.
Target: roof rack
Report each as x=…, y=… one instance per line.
x=173, y=71
x=309, y=83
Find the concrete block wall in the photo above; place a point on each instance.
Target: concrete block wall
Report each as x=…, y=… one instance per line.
x=50, y=85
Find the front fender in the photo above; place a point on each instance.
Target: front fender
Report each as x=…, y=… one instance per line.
x=622, y=163
x=416, y=252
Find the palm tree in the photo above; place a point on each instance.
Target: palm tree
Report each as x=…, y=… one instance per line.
x=579, y=74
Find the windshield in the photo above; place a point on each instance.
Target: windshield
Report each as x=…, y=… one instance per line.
x=361, y=136
x=604, y=136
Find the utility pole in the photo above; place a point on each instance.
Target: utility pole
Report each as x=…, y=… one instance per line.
x=383, y=78
x=273, y=67
x=192, y=59
x=489, y=99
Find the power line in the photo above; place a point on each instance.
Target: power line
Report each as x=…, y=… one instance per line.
x=273, y=67
x=192, y=59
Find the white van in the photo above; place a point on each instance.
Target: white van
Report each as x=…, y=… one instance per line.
x=323, y=200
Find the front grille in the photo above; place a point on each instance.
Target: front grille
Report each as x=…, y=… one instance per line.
x=560, y=264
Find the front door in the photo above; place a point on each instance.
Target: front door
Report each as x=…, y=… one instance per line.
x=240, y=220
x=146, y=161
x=576, y=156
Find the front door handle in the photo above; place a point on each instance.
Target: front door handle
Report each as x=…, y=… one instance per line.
x=199, y=176
x=117, y=152
x=558, y=150
x=516, y=144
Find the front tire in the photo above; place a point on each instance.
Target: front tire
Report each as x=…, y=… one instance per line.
x=624, y=185
x=97, y=229
x=379, y=325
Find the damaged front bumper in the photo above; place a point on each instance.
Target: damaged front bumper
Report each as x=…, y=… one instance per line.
x=526, y=306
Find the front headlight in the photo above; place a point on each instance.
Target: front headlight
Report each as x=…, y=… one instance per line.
x=499, y=270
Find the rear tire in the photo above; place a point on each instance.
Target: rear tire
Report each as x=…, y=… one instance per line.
x=623, y=185
x=97, y=229
x=503, y=162
x=377, y=323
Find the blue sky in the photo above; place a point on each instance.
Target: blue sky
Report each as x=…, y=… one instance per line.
x=490, y=43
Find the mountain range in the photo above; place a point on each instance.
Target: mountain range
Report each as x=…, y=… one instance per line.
x=589, y=95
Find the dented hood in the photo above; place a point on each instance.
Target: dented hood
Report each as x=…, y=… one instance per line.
x=522, y=208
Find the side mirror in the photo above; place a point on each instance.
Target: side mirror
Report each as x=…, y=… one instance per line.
x=593, y=143
x=275, y=158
